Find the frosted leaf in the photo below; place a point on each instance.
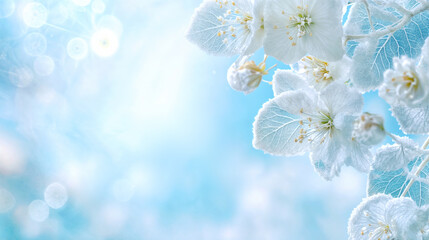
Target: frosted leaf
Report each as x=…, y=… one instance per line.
x=372, y=60
x=412, y=120
x=287, y=80
x=395, y=182
x=396, y=156
x=228, y=28
x=275, y=129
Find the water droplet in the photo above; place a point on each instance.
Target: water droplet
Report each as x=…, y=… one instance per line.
x=35, y=44
x=7, y=7
x=77, y=48
x=56, y=195
x=38, y=210
x=7, y=201
x=35, y=15
x=44, y=65
x=104, y=42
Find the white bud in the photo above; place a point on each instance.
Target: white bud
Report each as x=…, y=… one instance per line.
x=369, y=129
x=245, y=76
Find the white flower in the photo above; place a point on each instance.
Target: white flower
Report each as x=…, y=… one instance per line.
x=245, y=76
x=382, y=217
x=320, y=74
x=369, y=129
x=225, y=27
x=301, y=120
x=405, y=84
x=295, y=28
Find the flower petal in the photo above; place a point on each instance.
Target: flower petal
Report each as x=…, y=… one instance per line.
x=216, y=30
x=339, y=98
x=287, y=80
x=328, y=157
x=275, y=129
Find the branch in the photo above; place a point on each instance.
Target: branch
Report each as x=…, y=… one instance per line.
x=419, y=170
x=407, y=16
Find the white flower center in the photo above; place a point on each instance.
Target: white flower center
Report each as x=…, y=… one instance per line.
x=299, y=23
x=301, y=20
x=316, y=127
x=377, y=231
x=318, y=68
x=405, y=85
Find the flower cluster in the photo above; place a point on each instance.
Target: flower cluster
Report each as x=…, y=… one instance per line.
x=318, y=104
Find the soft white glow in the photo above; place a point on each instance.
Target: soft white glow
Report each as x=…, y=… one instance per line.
x=104, y=42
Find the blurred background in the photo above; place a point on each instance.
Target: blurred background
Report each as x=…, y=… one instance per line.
x=113, y=126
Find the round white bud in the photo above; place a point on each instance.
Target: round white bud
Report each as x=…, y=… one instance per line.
x=369, y=129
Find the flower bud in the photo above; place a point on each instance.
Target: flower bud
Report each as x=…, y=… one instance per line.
x=245, y=76
x=369, y=129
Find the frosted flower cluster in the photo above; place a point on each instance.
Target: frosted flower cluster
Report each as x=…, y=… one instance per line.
x=318, y=101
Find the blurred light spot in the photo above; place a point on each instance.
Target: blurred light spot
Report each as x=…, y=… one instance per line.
x=7, y=201
x=104, y=42
x=11, y=156
x=77, y=48
x=44, y=65
x=82, y=3
x=21, y=77
x=56, y=195
x=35, y=44
x=38, y=210
x=7, y=7
x=35, y=15
x=123, y=190
x=110, y=22
x=98, y=6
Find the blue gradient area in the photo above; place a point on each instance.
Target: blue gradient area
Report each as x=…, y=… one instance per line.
x=149, y=142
